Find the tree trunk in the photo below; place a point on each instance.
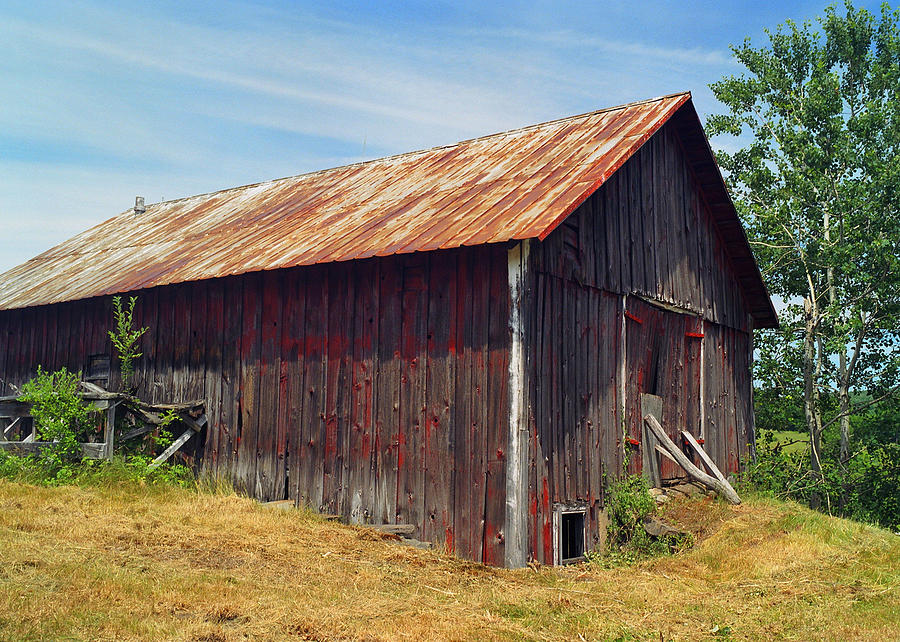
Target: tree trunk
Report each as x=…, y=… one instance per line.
x=810, y=407
x=844, y=402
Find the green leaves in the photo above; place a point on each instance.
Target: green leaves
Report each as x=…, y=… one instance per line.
x=59, y=414
x=817, y=180
x=126, y=337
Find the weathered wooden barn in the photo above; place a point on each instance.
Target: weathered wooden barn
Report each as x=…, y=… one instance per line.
x=455, y=338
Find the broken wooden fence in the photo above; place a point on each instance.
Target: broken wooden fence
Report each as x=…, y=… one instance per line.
x=16, y=414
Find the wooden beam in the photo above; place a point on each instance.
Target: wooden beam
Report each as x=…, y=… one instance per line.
x=12, y=408
x=137, y=432
x=89, y=451
x=8, y=428
x=109, y=432
x=168, y=452
x=516, y=509
x=650, y=405
x=724, y=489
x=194, y=424
x=405, y=530
x=706, y=458
x=665, y=453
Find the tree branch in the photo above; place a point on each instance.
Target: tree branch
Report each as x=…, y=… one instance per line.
x=856, y=409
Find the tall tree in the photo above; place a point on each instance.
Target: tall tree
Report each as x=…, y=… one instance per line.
x=817, y=184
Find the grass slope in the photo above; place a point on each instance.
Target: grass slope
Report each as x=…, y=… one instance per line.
x=131, y=562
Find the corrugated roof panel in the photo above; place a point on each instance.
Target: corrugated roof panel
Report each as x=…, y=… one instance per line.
x=513, y=185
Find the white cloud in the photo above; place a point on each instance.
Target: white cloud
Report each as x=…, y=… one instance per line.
x=172, y=108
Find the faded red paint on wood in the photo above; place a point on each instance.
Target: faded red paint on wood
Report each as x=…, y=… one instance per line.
x=248, y=417
x=413, y=345
x=270, y=442
x=292, y=393
x=312, y=452
x=212, y=384
x=387, y=386
x=378, y=389
x=439, y=392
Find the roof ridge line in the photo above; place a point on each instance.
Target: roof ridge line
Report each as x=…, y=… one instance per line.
x=420, y=151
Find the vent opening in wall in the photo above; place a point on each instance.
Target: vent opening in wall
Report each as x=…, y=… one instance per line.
x=569, y=533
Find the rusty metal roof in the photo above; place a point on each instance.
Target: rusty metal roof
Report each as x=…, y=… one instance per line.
x=513, y=185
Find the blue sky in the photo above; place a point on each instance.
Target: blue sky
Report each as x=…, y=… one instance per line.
x=100, y=102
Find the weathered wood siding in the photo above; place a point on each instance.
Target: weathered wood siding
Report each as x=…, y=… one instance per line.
x=574, y=445
x=647, y=231
x=379, y=390
x=375, y=390
x=727, y=395
x=662, y=358
x=598, y=341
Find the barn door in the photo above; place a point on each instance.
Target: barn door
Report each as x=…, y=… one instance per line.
x=662, y=358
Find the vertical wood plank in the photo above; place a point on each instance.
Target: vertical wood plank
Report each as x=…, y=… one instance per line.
x=464, y=507
x=212, y=383
x=138, y=380
x=77, y=345
x=181, y=348
x=340, y=332
x=312, y=446
x=548, y=416
x=387, y=390
x=731, y=401
x=248, y=416
x=48, y=337
x=613, y=236
x=31, y=336
x=291, y=393
x=145, y=370
x=481, y=299
x=569, y=364
x=270, y=465
x=66, y=335
x=439, y=376
x=498, y=408
x=410, y=500
x=195, y=387
x=232, y=324
x=609, y=376
x=22, y=339
x=165, y=340
x=8, y=328
x=360, y=486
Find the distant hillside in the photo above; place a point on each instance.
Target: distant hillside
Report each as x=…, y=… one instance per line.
x=139, y=563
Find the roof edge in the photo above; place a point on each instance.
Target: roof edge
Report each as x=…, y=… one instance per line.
x=425, y=150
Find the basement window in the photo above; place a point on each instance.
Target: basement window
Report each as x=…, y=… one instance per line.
x=569, y=534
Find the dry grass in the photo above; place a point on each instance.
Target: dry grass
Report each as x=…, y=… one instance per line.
x=138, y=563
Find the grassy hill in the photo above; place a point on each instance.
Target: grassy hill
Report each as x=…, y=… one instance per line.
x=133, y=562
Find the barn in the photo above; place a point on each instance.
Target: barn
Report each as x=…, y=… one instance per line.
x=457, y=339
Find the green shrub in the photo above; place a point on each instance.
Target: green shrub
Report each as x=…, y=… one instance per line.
x=94, y=472
x=125, y=337
x=866, y=487
x=60, y=416
x=628, y=504
x=63, y=419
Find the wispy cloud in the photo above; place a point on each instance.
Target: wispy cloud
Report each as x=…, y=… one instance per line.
x=102, y=102
x=571, y=39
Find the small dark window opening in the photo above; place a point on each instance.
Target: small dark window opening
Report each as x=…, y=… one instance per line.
x=572, y=537
x=569, y=523
x=98, y=369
